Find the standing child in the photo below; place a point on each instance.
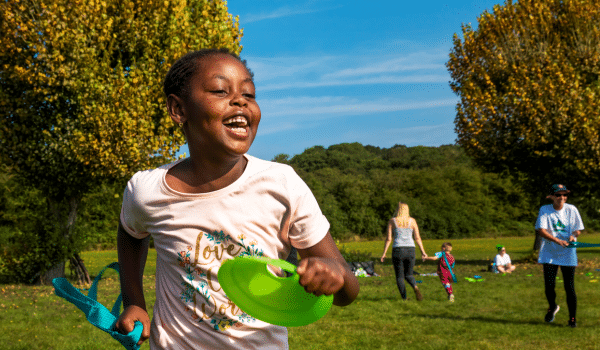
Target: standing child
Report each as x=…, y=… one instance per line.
x=445, y=268
x=215, y=205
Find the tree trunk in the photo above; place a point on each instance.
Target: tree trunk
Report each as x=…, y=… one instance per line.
x=57, y=214
x=77, y=265
x=56, y=271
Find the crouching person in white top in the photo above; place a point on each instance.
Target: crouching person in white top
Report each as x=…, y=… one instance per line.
x=502, y=261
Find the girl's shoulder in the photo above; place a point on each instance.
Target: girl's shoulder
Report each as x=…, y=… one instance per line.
x=150, y=174
x=261, y=167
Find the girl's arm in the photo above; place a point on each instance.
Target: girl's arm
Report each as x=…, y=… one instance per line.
x=323, y=270
x=417, y=238
x=388, y=240
x=132, y=259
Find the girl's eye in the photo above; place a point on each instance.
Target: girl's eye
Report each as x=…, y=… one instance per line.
x=250, y=96
x=219, y=92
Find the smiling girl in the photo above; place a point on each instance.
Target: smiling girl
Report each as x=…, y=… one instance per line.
x=215, y=205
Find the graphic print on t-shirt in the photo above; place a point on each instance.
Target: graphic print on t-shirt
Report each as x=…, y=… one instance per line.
x=559, y=227
x=199, y=287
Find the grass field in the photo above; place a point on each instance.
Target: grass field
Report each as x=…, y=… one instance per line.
x=502, y=312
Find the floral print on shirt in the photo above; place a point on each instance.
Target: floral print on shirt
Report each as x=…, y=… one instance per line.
x=195, y=282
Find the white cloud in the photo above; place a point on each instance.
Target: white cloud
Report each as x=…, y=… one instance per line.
x=411, y=62
x=411, y=79
x=287, y=73
x=285, y=11
x=316, y=108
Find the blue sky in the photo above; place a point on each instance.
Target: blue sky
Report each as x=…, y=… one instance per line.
x=334, y=71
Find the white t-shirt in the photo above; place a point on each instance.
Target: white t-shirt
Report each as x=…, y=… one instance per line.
x=265, y=212
x=560, y=224
x=502, y=260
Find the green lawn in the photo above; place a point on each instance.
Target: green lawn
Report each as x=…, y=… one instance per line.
x=502, y=312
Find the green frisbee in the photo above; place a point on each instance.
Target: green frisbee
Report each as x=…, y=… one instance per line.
x=257, y=291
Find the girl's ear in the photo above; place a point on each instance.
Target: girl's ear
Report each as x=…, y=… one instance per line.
x=176, y=109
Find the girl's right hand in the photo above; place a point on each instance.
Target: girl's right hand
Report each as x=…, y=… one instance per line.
x=382, y=258
x=126, y=322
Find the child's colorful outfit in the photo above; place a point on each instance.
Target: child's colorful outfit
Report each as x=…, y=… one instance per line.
x=263, y=213
x=444, y=271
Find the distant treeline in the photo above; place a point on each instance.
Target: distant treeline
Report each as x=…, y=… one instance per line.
x=358, y=188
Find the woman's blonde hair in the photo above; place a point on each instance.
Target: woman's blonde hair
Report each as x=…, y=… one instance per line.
x=402, y=216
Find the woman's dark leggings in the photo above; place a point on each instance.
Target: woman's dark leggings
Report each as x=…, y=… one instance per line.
x=403, y=259
x=569, y=280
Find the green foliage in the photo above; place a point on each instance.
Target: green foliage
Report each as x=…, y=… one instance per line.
x=528, y=80
x=359, y=187
x=354, y=255
x=81, y=84
x=98, y=218
x=81, y=90
x=29, y=242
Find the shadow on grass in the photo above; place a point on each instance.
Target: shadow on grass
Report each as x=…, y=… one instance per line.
x=487, y=319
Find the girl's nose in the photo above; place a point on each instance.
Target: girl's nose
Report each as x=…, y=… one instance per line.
x=238, y=100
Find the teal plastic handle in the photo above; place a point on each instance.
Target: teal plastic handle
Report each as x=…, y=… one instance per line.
x=582, y=245
x=96, y=313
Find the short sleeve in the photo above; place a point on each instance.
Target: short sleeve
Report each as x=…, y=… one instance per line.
x=438, y=255
x=541, y=222
x=308, y=225
x=131, y=213
x=577, y=222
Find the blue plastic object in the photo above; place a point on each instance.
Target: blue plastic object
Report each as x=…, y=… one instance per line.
x=450, y=268
x=582, y=245
x=96, y=313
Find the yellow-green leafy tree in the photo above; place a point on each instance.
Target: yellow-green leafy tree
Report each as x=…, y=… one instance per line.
x=81, y=99
x=529, y=88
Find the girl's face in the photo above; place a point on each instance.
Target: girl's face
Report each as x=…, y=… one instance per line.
x=502, y=251
x=448, y=249
x=221, y=113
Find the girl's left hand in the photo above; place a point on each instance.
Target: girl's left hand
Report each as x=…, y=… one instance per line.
x=572, y=238
x=321, y=275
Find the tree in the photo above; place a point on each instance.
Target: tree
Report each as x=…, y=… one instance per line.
x=528, y=79
x=81, y=91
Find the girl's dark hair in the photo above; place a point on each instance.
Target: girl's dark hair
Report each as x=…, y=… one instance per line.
x=446, y=245
x=177, y=80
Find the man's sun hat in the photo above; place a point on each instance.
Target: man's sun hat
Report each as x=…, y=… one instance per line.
x=558, y=188
x=253, y=284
